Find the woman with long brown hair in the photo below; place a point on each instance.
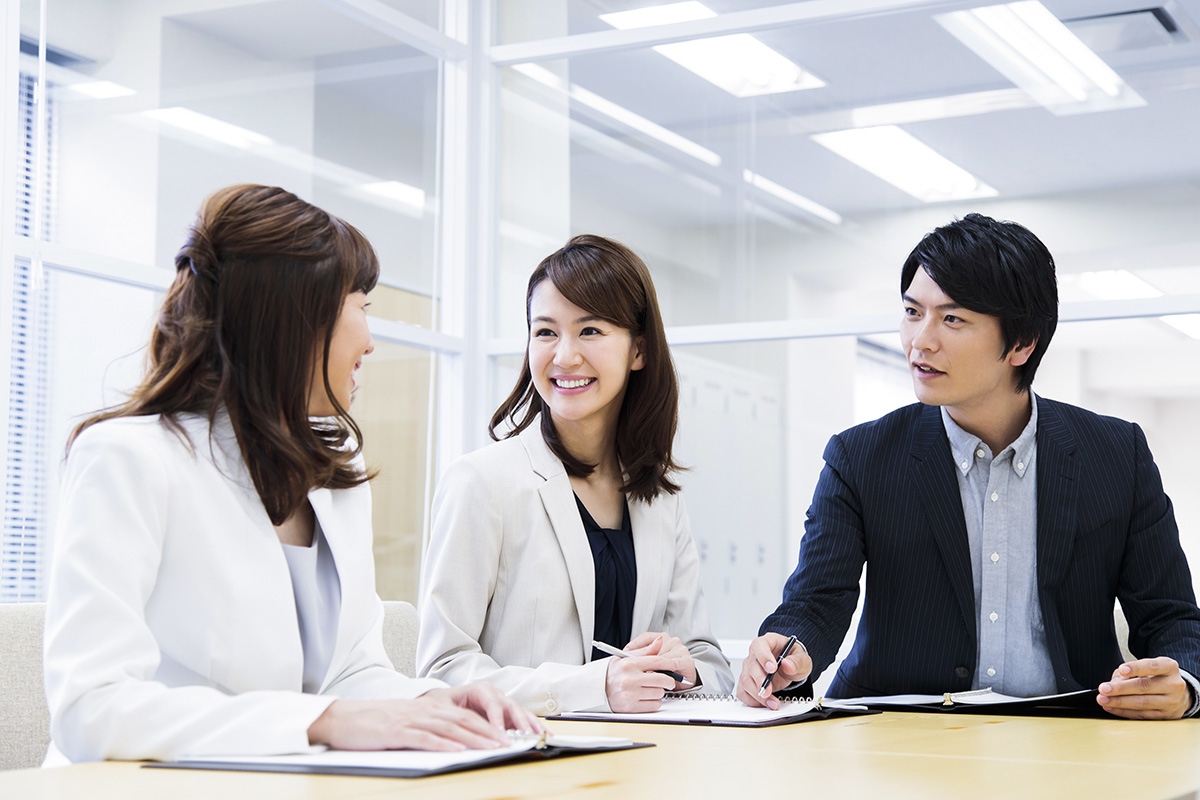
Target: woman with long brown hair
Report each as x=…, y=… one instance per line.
x=571, y=528
x=212, y=585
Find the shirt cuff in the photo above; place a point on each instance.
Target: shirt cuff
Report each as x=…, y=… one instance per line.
x=1194, y=689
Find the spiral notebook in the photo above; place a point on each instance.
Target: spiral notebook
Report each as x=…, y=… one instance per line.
x=712, y=709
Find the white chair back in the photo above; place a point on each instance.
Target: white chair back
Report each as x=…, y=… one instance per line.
x=24, y=716
x=400, y=635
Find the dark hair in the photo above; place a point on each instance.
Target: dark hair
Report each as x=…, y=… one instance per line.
x=996, y=268
x=607, y=279
x=258, y=287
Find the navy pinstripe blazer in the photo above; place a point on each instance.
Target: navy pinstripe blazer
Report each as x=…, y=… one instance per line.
x=888, y=497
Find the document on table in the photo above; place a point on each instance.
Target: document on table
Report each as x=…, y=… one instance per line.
x=684, y=709
x=986, y=701
x=407, y=763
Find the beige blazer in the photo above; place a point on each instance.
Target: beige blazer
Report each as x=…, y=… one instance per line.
x=171, y=624
x=508, y=584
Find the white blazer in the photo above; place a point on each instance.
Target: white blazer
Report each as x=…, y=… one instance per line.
x=508, y=585
x=171, y=624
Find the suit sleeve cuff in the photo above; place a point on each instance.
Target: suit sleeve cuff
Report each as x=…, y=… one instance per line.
x=1194, y=690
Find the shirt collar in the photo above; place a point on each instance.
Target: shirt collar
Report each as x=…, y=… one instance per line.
x=965, y=446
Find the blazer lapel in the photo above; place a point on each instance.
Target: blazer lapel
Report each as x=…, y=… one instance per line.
x=936, y=486
x=1057, y=491
x=559, y=501
x=654, y=553
x=1057, y=508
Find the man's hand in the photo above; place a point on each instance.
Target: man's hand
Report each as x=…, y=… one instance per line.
x=1150, y=688
x=760, y=662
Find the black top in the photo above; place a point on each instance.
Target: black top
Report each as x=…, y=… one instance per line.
x=616, y=579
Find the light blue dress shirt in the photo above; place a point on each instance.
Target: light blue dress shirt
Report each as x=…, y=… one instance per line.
x=999, y=498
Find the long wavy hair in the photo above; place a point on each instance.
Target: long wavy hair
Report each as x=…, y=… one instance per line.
x=607, y=279
x=258, y=287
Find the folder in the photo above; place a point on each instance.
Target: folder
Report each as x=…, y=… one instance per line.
x=408, y=763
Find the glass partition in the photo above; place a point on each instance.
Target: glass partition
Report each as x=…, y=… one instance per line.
x=158, y=105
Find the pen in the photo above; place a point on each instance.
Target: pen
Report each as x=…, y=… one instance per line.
x=787, y=648
x=613, y=651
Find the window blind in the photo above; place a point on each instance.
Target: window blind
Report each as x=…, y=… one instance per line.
x=24, y=541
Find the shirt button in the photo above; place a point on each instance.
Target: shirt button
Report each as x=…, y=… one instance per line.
x=1020, y=465
x=993, y=616
x=965, y=465
x=991, y=672
x=995, y=557
x=551, y=705
x=962, y=672
x=995, y=496
x=979, y=452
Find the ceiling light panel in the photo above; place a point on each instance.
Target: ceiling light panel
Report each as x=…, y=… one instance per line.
x=893, y=154
x=1033, y=49
x=396, y=191
x=619, y=113
x=101, y=90
x=1116, y=284
x=738, y=63
x=793, y=198
x=208, y=127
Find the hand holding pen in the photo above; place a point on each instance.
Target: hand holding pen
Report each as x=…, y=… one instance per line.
x=636, y=680
x=773, y=662
x=619, y=653
x=787, y=648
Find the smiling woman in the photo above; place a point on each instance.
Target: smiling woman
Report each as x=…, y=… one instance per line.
x=341, y=358
x=571, y=530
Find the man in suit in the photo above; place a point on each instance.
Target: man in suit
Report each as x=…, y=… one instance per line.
x=998, y=526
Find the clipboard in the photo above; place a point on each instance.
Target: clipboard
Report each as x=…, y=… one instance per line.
x=408, y=763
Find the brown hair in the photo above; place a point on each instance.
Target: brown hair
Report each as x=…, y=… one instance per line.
x=607, y=279
x=258, y=288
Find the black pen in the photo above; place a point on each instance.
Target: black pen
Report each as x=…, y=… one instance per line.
x=613, y=651
x=787, y=648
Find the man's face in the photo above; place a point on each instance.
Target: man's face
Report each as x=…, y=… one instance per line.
x=956, y=356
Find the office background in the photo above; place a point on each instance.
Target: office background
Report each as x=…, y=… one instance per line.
x=772, y=162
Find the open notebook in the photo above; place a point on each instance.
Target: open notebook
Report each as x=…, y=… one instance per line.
x=408, y=763
x=708, y=709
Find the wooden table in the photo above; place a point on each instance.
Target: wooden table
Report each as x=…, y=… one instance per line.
x=891, y=755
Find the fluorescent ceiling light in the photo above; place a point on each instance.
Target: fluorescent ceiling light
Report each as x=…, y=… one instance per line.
x=668, y=14
x=1116, y=284
x=905, y=162
x=1033, y=49
x=209, y=127
x=395, y=190
x=101, y=90
x=1120, y=284
x=541, y=75
x=738, y=63
x=1187, y=323
x=788, y=196
x=621, y=114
